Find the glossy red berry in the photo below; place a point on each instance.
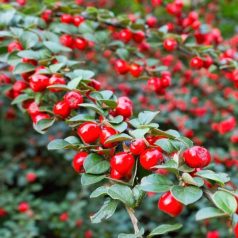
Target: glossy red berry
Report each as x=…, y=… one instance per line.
x=138, y=36
x=124, y=107
x=196, y=63
x=31, y=107
x=150, y=158
x=207, y=62
x=67, y=40
x=31, y=177
x=39, y=116
x=55, y=79
x=151, y=21
x=74, y=99
x=19, y=86
x=137, y=147
x=14, y=46
x=62, y=109
x=23, y=207
x=136, y=70
x=78, y=161
x=64, y=217
x=3, y=212
x=168, y=204
x=170, y=44
x=105, y=133
x=123, y=163
x=39, y=82
x=125, y=35
x=78, y=20
x=197, y=157
x=121, y=66
x=89, y=132
x=115, y=175
x=80, y=43
x=95, y=84
x=66, y=18
x=47, y=15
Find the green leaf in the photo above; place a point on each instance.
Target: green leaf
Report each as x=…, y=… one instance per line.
x=95, y=164
x=196, y=181
x=186, y=195
x=57, y=144
x=139, y=133
x=93, y=107
x=225, y=201
x=120, y=127
x=122, y=193
x=156, y=183
x=105, y=212
x=56, y=47
x=44, y=124
x=73, y=140
x=88, y=179
x=118, y=138
x=164, y=228
x=146, y=117
x=209, y=212
x=73, y=84
x=103, y=190
x=21, y=98
x=54, y=68
x=23, y=68
x=81, y=118
x=165, y=145
x=221, y=178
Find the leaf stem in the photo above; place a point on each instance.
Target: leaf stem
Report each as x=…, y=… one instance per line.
x=134, y=220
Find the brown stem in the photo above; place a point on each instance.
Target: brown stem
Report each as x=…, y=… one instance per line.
x=134, y=220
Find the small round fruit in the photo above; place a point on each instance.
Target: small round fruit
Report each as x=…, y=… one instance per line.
x=67, y=40
x=105, y=133
x=150, y=158
x=80, y=43
x=196, y=63
x=73, y=99
x=115, y=175
x=78, y=20
x=138, y=36
x=170, y=44
x=168, y=204
x=66, y=18
x=137, y=146
x=123, y=163
x=23, y=207
x=136, y=70
x=14, y=46
x=197, y=157
x=79, y=160
x=56, y=80
x=89, y=132
x=38, y=82
x=124, y=107
x=39, y=116
x=121, y=66
x=62, y=109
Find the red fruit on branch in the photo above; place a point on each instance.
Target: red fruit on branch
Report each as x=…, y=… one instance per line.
x=62, y=109
x=55, y=79
x=170, y=44
x=137, y=146
x=136, y=70
x=47, y=15
x=39, y=82
x=213, y=234
x=123, y=163
x=124, y=107
x=150, y=158
x=66, y=18
x=168, y=204
x=197, y=157
x=125, y=35
x=64, y=217
x=67, y=40
x=80, y=43
x=74, y=99
x=138, y=36
x=196, y=63
x=78, y=161
x=14, y=46
x=89, y=132
x=115, y=175
x=105, y=133
x=121, y=66
x=78, y=20
x=31, y=177
x=23, y=207
x=19, y=86
x=39, y=116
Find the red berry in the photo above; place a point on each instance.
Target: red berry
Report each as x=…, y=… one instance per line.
x=14, y=46
x=21, y=2
x=62, y=109
x=67, y=19
x=31, y=107
x=124, y=107
x=170, y=44
x=115, y=175
x=168, y=204
x=19, y=86
x=136, y=70
x=39, y=82
x=73, y=99
x=80, y=43
x=105, y=133
x=31, y=177
x=213, y=234
x=78, y=20
x=123, y=163
x=3, y=212
x=95, y=84
x=56, y=80
x=125, y=35
x=67, y=40
x=23, y=207
x=207, y=62
x=89, y=132
x=47, y=15
x=137, y=146
x=88, y=234
x=197, y=157
x=4, y=79
x=78, y=161
x=39, y=116
x=64, y=217
x=151, y=21
x=150, y=158
x=121, y=66
x=196, y=63
x=138, y=36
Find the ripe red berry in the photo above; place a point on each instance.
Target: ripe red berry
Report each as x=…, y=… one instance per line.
x=95, y=84
x=105, y=133
x=124, y=107
x=121, y=66
x=14, y=46
x=196, y=63
x=115, y=175
x=64, y=217
x=67, y=19
x=150, y=158
x=80, y=43
x=207, y=62
x=62, y=109
x=39, y=82
x=170, y=44
x=39, y=116
x=23, y=207
x=197, y=157
x=67, y=40
x=78, y=20
x=213, y=234
x=3, y=212
x=89, y=132
x=19, y=86
x=47, y=15
x=138, y=36
x=79, y=160
x=55, y=79
x=31, y=177
x=151, y=21
x=137, y=146
x=125, y=35
x=123, y=163
x=168, y=204
x=73, y=99
x=136, y=70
